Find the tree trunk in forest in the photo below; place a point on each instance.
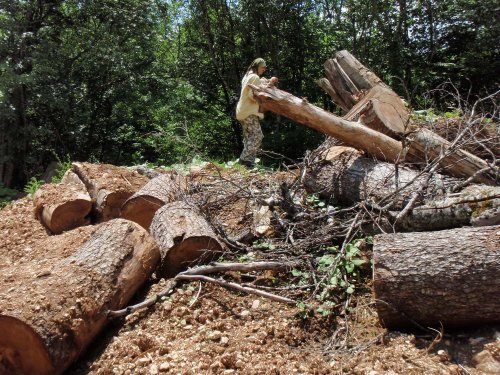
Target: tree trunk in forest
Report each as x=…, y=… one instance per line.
x=142, y=206
x=184, y=237
x=373, y=142
x=48, y=322
x=449, y=277
x=61, y=207
x=344, y=175
x=109, y=186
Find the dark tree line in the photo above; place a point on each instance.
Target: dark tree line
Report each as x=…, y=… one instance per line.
x=136, y=81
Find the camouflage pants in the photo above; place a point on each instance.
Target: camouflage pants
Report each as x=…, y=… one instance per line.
x=252, y=138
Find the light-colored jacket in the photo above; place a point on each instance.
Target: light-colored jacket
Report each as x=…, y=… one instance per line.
x=247, y=105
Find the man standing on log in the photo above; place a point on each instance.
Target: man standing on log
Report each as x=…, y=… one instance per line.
x=247, y=111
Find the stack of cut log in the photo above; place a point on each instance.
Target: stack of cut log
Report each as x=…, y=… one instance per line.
x=448, y=277
x=103, y=273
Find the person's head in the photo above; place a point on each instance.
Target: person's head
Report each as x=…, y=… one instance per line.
x=258, y=66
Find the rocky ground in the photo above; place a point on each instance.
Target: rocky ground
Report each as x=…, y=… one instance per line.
x=205, y=329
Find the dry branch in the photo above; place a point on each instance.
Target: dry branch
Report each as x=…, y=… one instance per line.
x=209, y=269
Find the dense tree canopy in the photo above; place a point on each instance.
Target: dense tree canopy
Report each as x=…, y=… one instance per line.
x=132, y=81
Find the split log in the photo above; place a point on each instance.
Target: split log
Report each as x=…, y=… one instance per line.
x=373, y=142
x=360, y=75
x=447, y=277
x=48, y=321
x=109, y=186
x=184, y=237
x=142, y=206
x=62, y=207
x=372, y=103
x=344, y=175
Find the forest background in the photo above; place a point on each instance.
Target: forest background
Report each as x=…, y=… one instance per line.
x=135, y=81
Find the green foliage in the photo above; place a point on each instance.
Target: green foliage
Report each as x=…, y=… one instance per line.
x=144, y=81
x=7, y=195
x=33, y=185
x=337, y=274
x=62, y=168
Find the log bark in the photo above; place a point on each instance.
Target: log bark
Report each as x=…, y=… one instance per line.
x=373, y=142
x=447, y=277
x=345, y=176
x=142, y=206
x=109, y=186
x=185, y=238
x=48, y=321
x=62, y=207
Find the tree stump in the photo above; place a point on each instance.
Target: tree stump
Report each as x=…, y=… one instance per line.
x=48, y=322
x=142, y=206
x=184, y=237
x=449, y=277
x=61, y=207
x=109, y=186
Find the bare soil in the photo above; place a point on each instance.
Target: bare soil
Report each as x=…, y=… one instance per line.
x=205, y=329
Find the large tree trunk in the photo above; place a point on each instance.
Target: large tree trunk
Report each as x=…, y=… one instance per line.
x=109, y=186
x=64, y=206
x=48, y=322
x=447, y=277
x=184, y=237
x=142, y=206
x=344, y=175
x=373, y=142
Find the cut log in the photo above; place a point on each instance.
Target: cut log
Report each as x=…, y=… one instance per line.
x=48, y=321
x=185, y=238
x=62, y=207
x=381, y=109
x=142, y=206
x=449, y=277
x=373, y=142
x=109, y=186
x=345, y=176
x=425, y=145
x=352, y=133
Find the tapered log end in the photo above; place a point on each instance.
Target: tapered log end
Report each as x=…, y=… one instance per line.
x=21, y=349
x=189, y=252
x=141, y=210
